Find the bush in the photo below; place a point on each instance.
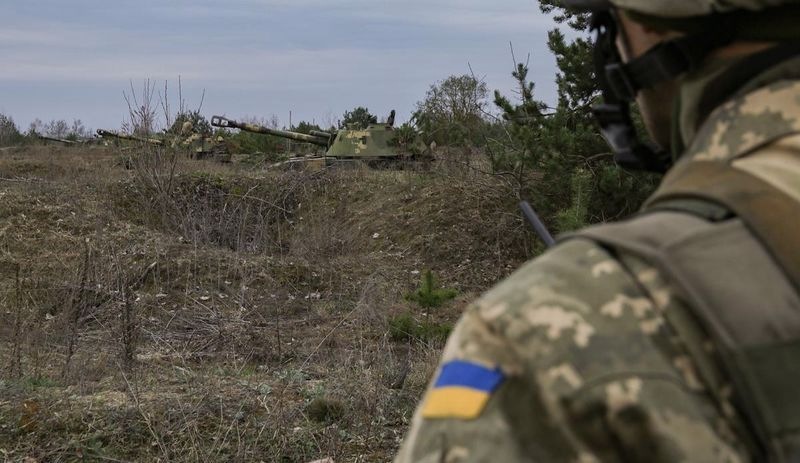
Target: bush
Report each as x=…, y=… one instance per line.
x=557, y=156
x=199, y=123
x=406, y=328
x=325, y=410
x=452, y=112
x=358, y=118
x=428, y=295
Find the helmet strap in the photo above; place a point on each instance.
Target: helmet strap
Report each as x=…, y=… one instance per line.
x=620, y=83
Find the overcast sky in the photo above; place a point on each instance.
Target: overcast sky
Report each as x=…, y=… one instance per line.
x=317, y=58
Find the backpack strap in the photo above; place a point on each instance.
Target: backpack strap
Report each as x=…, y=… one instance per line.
x=771, y=214
x=730, y=242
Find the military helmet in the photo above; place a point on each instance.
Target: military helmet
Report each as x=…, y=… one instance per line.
x=758, y=20
x=677, y=8
x=707, y=25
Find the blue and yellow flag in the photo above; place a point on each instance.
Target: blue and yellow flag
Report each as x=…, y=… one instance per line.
x=462, y=390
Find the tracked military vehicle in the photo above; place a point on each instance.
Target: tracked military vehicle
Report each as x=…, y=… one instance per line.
x=377, y=143
x=199, y=147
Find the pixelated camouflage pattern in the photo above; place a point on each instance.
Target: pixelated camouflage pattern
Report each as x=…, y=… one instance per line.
x=594, y=370
x=374, y=141
x=748, y=122
x=593, y=373
x=758, y=117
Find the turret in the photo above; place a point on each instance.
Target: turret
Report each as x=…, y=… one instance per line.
x=318, y=138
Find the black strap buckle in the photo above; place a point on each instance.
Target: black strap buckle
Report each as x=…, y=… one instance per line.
x=620, y=134
x=620, y=81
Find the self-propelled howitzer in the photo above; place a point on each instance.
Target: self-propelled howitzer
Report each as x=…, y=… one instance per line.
x=379, y=141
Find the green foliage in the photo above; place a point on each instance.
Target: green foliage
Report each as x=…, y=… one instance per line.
x=406, y=138
x=199, y=124
x=9, y=133
x=577, y=21
x=406, y=328
x=359, y=117
x=305, y=127
x=325, y=410
x=575, y=179
x=452, y=112
x=577, y=214
x=247, y=142
x=428, y=295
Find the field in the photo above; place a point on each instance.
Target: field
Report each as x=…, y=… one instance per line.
x=158, y=308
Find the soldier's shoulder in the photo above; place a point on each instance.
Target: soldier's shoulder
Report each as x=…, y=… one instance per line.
x=748, y=122
x=579, y=306
x=578, y=276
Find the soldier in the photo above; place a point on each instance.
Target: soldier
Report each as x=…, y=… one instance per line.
x=187, y=128
x=673, y=336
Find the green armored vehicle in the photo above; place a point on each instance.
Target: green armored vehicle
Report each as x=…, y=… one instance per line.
x=376, y=143
x=199, y=147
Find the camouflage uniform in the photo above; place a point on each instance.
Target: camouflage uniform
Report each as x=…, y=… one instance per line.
x=575, y=357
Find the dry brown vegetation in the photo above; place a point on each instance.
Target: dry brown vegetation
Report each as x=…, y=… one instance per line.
x=160, y=308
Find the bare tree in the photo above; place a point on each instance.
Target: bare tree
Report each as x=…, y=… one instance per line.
x=141, y=109
x=56, y=128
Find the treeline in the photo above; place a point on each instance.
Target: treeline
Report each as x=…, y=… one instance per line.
x=10, y=134
x=552, y=156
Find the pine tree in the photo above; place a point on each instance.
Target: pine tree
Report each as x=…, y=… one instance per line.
x=429, y=295
x=576, y=180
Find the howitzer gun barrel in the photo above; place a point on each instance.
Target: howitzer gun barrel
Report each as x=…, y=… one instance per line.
x=320, y=140
x=59, y=140
x=321, y=134
x=122, y=136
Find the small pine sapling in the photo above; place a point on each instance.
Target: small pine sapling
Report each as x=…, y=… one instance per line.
x=428, y=295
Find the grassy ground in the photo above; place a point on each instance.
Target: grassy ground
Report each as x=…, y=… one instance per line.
x=158, y=308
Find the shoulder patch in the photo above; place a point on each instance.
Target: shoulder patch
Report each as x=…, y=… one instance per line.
x=461, y=391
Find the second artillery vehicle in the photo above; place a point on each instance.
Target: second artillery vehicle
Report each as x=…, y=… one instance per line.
x=199, y=147
x=378, y=142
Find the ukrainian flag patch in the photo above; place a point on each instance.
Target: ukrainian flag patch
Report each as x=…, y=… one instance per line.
x=462, y=390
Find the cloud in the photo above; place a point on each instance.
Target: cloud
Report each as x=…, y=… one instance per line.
x=295, y=53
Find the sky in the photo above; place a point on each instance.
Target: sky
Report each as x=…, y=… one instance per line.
x=255, y=58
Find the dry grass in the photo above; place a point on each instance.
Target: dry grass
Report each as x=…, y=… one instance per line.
x=187, y=311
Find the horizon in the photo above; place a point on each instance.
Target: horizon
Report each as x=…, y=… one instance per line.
x=259, y=58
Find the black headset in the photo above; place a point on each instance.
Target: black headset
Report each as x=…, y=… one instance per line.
x=620, y=83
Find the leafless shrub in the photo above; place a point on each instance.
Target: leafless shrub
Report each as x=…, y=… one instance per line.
x=15, y=302
x=142, y=113
x=75, y=308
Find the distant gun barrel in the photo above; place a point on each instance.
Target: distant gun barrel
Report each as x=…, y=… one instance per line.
x=321, y=134
x=319, y=139
x=59, y=140
x=123, y=136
